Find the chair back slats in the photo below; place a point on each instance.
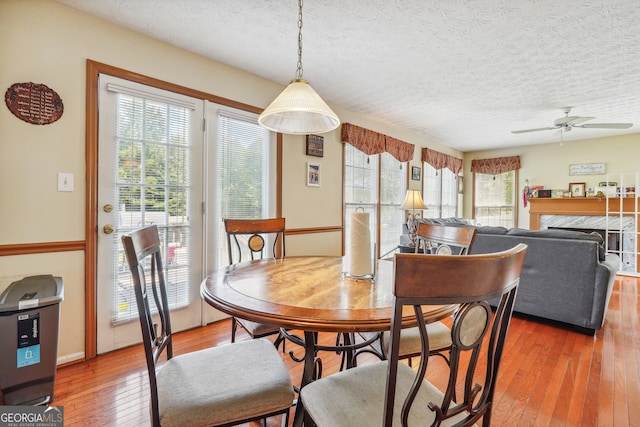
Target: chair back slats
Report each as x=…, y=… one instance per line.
x=477, y=334
x=460, y=237
x=143, y=252
x=254, y=232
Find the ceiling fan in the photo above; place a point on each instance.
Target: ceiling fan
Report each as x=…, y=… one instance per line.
x=566, y=123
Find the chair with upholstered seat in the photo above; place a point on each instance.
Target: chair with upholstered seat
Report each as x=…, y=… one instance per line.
x=247, y=237
x=431, y=239
x=445, y=239
x=391, y=393
x=219, y=386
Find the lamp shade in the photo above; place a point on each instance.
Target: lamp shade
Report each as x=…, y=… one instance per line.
x=299, y=110
x=413, y=200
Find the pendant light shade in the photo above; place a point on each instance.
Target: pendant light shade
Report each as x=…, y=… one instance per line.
x=299, y=110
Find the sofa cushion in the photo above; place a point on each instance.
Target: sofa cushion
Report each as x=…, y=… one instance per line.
x=562, y=234
x=490, y=229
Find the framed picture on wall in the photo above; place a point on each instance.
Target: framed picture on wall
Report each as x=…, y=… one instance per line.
x=313, y=174
x=416, y=173
x=315, y=145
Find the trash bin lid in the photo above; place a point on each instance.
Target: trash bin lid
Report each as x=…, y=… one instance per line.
x=32, y=291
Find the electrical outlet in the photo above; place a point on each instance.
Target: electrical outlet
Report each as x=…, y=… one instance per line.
x=65, y=181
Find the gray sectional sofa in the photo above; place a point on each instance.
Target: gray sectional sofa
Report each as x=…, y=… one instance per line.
x=567, y=277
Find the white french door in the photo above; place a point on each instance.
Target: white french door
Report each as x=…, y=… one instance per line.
x=240, y=181
x=150, y=161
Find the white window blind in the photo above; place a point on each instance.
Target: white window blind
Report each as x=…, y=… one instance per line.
x=153, y=146
x=244, y=171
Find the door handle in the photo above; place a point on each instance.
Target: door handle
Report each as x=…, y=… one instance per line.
x=108, y=229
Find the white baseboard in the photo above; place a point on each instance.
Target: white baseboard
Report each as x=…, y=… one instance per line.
x=70, y=358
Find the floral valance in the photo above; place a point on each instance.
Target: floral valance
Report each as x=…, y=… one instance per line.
x=370, y=142
x=496, y=165
x=403, y=151
x=365, y=140
x=441, y=160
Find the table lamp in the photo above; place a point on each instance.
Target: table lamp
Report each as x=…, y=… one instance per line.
x=412, y=201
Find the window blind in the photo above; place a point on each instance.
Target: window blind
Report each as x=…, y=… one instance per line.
x=244, y=155
x=153, y=146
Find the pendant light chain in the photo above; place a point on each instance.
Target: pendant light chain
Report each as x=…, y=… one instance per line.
x=299, y=110
x=299, y=69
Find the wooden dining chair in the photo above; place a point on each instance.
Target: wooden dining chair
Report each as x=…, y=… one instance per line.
x=390, y=393
x=246, y=239
x=431, y=239
x=219, y=386
x=444, y=239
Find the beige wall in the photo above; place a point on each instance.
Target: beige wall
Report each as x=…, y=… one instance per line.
x=548, y=165
x=44, y=42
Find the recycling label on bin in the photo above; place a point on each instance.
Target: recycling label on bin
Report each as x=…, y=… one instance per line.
x=28, y=339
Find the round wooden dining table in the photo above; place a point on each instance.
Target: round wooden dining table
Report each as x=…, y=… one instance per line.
x=312, y=294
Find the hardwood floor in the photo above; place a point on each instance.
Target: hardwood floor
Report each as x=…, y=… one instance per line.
x=549, y=376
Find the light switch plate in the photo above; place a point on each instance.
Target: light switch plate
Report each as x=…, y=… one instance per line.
x=65, y=181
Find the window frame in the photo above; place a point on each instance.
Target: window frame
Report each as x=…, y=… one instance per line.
x=376, y=206
x=513, y=222
x=435, y=210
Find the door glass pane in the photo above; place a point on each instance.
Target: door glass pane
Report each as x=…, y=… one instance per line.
x=153, y=145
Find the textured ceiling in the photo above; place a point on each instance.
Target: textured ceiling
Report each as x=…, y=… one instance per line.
x=463, y=73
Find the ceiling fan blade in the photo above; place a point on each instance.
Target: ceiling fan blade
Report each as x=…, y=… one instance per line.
x=579, y=120
x=568, y=119
x=534, y=130
x=607, y=125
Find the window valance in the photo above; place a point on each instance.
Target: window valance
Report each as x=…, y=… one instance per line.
x=441, y=160
x=496, y=165
x=370, y=142
x=403, y=151
x=365, y=140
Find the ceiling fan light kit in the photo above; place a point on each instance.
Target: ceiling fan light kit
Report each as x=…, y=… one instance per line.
x=566, y=123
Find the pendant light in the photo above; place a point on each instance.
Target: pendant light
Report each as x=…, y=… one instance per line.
x=299, y=109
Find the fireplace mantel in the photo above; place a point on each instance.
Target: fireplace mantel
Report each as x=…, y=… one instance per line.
x=578, y=206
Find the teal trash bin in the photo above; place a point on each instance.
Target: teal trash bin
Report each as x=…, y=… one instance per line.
x=29, y=323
